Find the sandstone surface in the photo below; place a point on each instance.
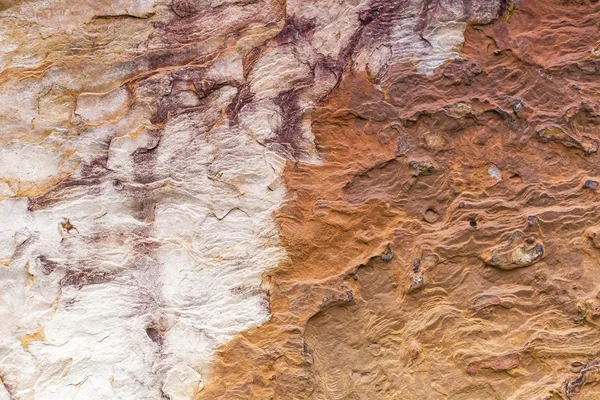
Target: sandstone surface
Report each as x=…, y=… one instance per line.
x=326, y=199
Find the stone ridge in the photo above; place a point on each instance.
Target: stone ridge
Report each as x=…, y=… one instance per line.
x=259, y=199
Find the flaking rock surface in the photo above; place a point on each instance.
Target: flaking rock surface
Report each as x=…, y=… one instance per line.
x=328, y=200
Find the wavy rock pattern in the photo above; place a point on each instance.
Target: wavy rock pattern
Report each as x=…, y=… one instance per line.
x=260, y=199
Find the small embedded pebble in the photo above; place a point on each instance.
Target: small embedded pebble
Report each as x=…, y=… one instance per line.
x=495, y=172
x=518, y=105
x=431, y=216
x=387, y=254
x=416, y=282
x=590, y=184
x=416, y=265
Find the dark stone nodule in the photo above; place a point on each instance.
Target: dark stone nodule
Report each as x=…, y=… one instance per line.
x=518, y=105
x=416, y=265
x=387, y=254
x=154, y=335
x=590, y=184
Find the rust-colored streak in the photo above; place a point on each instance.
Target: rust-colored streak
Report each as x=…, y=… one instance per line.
x=36, y=336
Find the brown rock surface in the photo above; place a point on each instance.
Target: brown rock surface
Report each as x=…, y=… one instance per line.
x=328, y=200
x=488, y=155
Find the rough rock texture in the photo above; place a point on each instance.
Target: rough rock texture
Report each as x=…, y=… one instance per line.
x=267, y=199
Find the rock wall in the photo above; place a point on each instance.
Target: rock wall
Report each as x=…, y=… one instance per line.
x=268, y=199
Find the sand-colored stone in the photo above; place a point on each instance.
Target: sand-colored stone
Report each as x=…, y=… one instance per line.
x=362, y=200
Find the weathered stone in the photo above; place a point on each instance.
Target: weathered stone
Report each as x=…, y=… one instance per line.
x=264, y=199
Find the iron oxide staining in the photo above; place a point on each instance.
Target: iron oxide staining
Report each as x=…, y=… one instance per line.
x=430, y=165
x=587, y=374
x=184, y=8
x=503, y=363
x=48, y=266
x=79, y=278
x=66, y=226
x=483, y=162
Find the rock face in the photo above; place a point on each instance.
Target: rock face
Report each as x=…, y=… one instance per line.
x=238, y=199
